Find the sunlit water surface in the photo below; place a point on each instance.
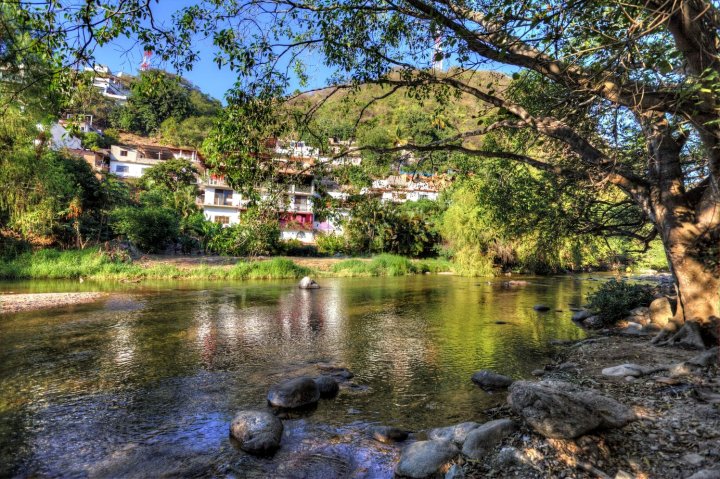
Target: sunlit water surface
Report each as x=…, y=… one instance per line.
x=145, y=383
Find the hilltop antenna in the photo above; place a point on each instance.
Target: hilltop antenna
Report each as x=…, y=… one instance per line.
x=145, y=64
x=437, y=54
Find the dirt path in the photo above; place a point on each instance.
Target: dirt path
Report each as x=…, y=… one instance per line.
x=12, y=303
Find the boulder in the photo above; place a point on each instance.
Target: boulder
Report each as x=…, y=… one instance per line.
x=258, y=432
x=491, y=380
x=640, y=315
x=388, y=434
x=624, y=370
x=593, y=322
x=308, y=283
x=327, y=386
x=456, y=433
x=661, y=311
x=558, y=409
x=455, y=472
x=485, y=438
x=425, y=459
x=541, y=307
x=581, y=315
x=294, y=393
x=706, y=474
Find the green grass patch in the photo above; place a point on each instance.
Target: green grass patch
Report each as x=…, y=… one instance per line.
x=389, y=265
x=95, y=264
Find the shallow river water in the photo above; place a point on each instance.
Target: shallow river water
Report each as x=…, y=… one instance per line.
x=145, y=383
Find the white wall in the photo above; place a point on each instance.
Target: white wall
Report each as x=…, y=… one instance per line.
x=61, y=138
x=212, y=211
x=303, y=236
x=134, y=170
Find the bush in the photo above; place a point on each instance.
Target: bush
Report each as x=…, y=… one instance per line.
x=151, y=228
x=295, y=247
x=253, y=236
x=614, y=299
x=331, y=244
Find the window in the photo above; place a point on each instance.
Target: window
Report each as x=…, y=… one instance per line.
x=223, y=197
x=123, y=152
x=121, y=169
x=223, y=220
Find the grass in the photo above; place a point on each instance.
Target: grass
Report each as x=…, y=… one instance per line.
x=389, y=265
x=95, y=264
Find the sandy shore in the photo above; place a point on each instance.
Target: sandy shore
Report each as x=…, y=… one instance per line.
x=11, y=303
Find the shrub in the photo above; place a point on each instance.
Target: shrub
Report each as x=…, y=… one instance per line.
x=331, y=244
x=151, y=228
x=295, y=247
x=614, y=299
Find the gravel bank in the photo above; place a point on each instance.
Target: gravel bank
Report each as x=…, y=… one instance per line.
x=11, y=303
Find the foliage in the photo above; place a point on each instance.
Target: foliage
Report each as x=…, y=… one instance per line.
x=388, y=265
x=376, y=227
x=152, y=228
x=156, y=97
x=614, y=299
x=257, y=233
x=173, y=175
x=295, y=247
x=331, y=244
x=189, y=132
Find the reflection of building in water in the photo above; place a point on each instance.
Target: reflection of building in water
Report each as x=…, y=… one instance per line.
x=122, y=345
x=305, y=314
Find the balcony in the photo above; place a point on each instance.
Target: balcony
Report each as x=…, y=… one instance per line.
x=214, y=181
x=300, y=208
x=301, y=189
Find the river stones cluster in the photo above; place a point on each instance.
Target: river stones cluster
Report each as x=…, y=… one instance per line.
x=260, y=432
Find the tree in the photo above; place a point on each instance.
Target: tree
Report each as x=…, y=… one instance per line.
x=174, y=175
x=629, y=99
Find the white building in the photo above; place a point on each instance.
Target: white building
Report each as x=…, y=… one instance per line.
x=131, y=161
x=108, y=84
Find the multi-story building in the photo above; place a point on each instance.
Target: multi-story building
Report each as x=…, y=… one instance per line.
x=131, y=161
x=110, y=85
x=402, y=188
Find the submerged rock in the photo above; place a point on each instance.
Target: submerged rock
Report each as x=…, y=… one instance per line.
x=425, y=459
x=258, y=432
x=327, y=386
x=482, y=440
x=558, y=409
x=541, y=307
x=456, y=433
x=388, y=434
x=491, y=380
x=294, y=393
x=308, y=283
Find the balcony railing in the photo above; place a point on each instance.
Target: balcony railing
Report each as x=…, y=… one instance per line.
x=306, y=189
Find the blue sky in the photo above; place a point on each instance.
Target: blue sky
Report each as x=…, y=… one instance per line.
x=125, y=55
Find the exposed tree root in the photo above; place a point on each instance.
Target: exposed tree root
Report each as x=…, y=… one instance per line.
x=692, y=335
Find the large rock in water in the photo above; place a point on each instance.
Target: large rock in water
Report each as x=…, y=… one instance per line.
x=557, y=409
x=328, y=387
x=258, y=432
x=491, y=380
x=425, y=459
x=294, y=393
x=308, y=283
x=482, y=440
x=388, y=434
x=456, y=433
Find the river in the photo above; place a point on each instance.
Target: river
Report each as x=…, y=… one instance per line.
x=145, y=383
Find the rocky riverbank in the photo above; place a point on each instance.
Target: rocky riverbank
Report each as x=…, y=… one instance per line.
x=13, y=303
x=676, y=402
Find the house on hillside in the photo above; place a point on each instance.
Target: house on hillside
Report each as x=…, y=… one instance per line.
x=131, y=160
x=110, y=85
x=403, y=187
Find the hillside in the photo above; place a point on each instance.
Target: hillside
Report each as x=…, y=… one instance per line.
x=400, y=118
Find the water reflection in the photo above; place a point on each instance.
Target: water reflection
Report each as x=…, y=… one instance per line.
x=148, y=380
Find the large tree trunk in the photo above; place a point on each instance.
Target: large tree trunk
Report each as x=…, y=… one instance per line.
x=697, y=280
